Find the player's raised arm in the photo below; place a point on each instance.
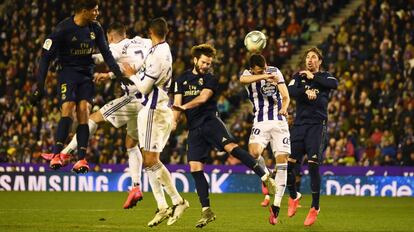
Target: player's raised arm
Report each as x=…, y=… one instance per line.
x=326, y=80
x=205, y=94
x=296, y=88
x=248, y=78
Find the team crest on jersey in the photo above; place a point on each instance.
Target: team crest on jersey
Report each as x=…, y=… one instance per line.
x=200, y=81
x=92, y=35
x=185, y=83
x=47, y=44
x=268, y=90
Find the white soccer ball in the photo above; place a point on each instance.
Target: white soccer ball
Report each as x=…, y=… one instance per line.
x=255, y=41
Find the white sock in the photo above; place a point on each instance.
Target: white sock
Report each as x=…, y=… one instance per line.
x=73, y=145
x=280, y=179
x=157, y=190
x=164, y=177
x=135, y=164
x=262, y=164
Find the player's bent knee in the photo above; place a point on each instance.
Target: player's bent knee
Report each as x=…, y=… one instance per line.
x=281, y=158
x=130, y=142
x=290, y=160
x=196, y=166
x=67, y=109
x=150, y=158
x=96, y=117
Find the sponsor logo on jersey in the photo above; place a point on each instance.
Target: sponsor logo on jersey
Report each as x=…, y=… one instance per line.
x=268, y=90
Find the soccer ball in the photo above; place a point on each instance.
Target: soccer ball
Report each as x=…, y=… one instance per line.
x=255, y=41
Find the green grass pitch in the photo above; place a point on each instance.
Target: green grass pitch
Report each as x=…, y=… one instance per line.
x=80, y=211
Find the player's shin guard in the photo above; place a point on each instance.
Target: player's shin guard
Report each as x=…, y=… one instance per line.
x=82, y=135
x=248, y=160
x=73, y=145
x=202, y=188
x=262, y=164
x=291, y=180
x=315, y=183
x=135, y=164
x=164, y=177
x=156, y=189
x=62, y=133
x=280, y=179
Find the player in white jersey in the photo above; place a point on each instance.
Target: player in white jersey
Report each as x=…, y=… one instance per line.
x=270, y=98
x=123, y=110
x=155, y=119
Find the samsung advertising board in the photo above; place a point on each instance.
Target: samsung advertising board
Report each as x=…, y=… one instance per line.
x=391, y=186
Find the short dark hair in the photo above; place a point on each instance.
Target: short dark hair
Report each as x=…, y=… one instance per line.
x=85, y=4
x=257, y=60
x=159, y=27
x=203, y=49
x=117, y=27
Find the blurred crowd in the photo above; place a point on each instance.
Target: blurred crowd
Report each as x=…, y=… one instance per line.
x=371, y=115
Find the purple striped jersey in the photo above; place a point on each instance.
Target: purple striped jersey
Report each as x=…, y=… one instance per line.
x=158, y=67
x=265, y=97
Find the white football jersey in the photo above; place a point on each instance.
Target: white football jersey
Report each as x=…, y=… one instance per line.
x=132, y=51
x=158, y=67
x=265, y=97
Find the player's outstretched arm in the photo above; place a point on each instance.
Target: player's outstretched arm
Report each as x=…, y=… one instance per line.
x=295, y=87
x=178, y=98
x=50, y=47
x=326, y=80
x=142, y=81
x=205, y=94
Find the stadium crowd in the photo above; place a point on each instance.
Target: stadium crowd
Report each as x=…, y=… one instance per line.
x=371, y=114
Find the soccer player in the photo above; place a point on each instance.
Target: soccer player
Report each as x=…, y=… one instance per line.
x=154, y=120
x=195, y=93
x=311, y=88
x=123, y=110
x=268, y=93
x=73, y=42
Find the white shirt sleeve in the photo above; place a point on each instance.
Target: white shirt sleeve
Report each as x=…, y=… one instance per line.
x=142, y=83
x=146, y=77
x=279, y=75
x=246, y=73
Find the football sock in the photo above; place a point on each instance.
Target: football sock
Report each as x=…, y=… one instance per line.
x=248, y=160
x=135, y=164
x=291, y=180
x=82, y=135
x=262, y=163
x=62, y=133
x=315, y=183
x=202, y=188
x=280, y=179
x=73, y=145
x=164, y=177
x=157, y=190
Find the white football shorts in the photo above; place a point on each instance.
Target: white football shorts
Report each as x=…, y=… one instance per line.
x=154, y=126
x=274, y=132
x=123, y=111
